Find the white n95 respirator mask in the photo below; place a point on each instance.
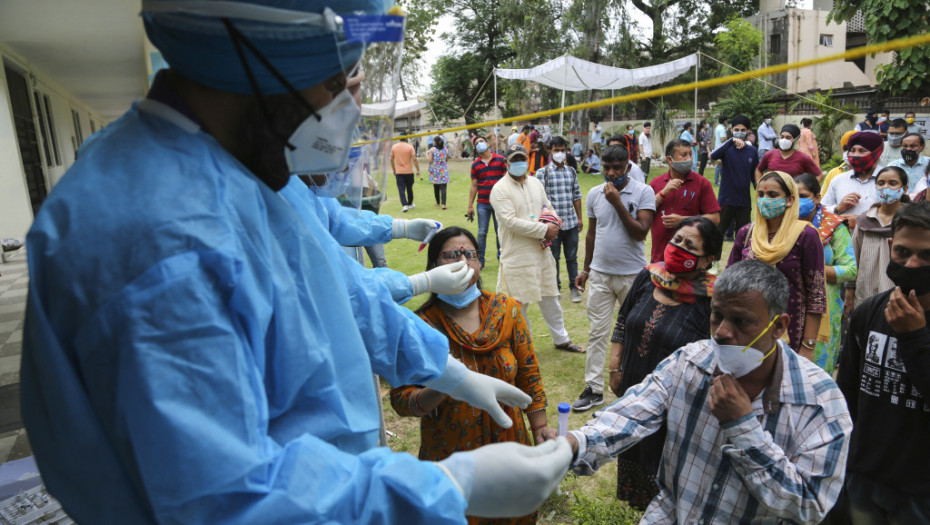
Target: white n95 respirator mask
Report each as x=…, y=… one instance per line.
x=322, y=142
x=740, y=360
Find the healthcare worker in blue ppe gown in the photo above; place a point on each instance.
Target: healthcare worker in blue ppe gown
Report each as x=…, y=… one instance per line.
x=195, y=350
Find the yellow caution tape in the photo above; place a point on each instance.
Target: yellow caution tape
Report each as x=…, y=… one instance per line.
x=891, y=45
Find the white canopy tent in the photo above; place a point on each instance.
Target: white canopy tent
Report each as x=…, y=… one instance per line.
x=401, y=108
x=573, y=74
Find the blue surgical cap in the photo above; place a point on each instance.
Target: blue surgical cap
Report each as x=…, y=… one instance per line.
x=200, y=48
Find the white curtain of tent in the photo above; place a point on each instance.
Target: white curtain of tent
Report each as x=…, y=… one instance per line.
x=573, y=74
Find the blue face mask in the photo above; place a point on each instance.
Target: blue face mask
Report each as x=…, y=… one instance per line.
x=461, y=299
x=481, y=147
x=519, y=169
x=618, y=183
x=807, y=207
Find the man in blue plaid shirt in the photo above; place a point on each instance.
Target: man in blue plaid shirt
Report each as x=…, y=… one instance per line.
x=561, y=183
x=766, y=443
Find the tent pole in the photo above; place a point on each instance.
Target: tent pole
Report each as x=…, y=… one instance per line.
x=696, y=67
x=494, y=72
x=564, y=79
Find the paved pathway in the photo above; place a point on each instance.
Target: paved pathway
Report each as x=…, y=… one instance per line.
x=14, y=281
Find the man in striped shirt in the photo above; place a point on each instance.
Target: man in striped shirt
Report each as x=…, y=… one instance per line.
x=486, y=170
x=765, y=443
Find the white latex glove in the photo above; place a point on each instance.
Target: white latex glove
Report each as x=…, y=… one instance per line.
x=480, y=391
x=509, y=479
x=415, y=229
x=448, y=279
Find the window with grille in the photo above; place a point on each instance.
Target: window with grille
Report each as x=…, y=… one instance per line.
x=78, y=132
x=47, y=129
x=775, y=44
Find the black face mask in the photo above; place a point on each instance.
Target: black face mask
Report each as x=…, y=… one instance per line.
x=909, y=155
x=917, y=279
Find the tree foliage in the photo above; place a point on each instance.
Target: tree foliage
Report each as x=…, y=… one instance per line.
x=456, y=81
x=525, y=33
x=746, y=98
x=663, y=124
x=680, y=27
x=887, y=20
x=421, y=16
x=738, y=46
x=479, y=42
x=536, y=36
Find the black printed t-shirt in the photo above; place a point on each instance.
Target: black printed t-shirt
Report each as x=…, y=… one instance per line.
x=885, y=377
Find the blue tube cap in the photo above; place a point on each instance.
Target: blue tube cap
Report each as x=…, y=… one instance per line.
x=564, y=408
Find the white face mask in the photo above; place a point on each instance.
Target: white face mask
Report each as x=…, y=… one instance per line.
x=785, y=144
x=323, y=146
x=518, y=169
x=768, y=121
x=740, y=360
x=558, y=157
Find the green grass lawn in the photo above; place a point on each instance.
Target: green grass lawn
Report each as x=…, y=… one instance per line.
x=584, y=499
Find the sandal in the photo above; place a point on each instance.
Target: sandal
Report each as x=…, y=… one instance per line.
x=570, y=347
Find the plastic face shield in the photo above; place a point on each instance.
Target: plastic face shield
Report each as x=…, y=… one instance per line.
x=374, y=86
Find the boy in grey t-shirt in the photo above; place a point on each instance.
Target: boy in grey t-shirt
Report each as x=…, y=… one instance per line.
x=620, y=212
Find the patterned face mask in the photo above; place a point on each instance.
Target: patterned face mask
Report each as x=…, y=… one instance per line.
x=771, y=207
x=863, y=163
x=890, y=195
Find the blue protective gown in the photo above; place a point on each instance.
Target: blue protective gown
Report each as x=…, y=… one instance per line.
x=350, y=228
x=195, y=353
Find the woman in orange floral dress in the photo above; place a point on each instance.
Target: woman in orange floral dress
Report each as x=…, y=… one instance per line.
x=488, y=334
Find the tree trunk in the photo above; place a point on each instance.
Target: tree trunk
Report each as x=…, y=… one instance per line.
x=590, y=51
x=658, y=39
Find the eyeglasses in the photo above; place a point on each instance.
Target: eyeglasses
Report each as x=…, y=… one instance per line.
x=455, y=255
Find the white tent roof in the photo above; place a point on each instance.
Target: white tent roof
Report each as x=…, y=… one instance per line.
x=574, y=74
x=402, y=108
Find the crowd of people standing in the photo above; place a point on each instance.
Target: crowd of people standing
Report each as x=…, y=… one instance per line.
x=210, y=359
x=828, y=237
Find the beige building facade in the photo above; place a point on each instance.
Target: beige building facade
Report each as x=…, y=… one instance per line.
x=793, y=34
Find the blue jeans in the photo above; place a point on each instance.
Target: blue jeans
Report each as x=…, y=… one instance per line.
x=874, y=504
x=717, y=171
x=375, y=253
x=567, y=240
x=485, y=214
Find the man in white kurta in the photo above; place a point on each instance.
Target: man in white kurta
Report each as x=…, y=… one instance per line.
x=527, y=268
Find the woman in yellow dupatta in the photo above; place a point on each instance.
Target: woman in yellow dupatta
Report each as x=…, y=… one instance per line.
x=778, y=237
x=488, y=334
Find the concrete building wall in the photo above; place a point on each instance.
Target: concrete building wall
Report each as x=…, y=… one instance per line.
x=15, y=209
x=793, y=34
x=810, y=31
